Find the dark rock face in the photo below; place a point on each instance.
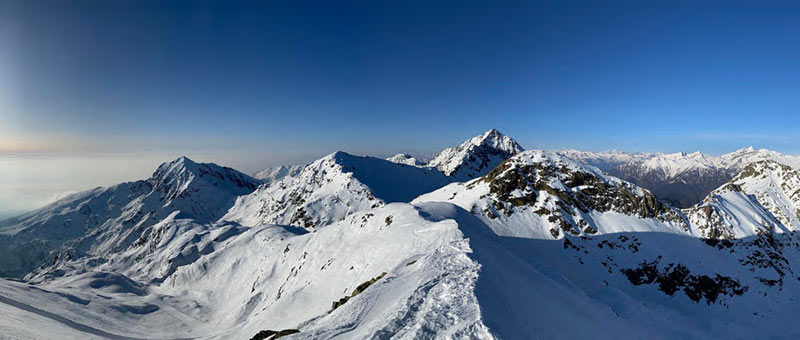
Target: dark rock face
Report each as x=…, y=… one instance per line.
x=674, y=277
x=515, y=184
x=272, y=335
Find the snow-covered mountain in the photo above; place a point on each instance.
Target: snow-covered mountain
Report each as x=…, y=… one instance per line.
x=331, y=188
x=682, y=179
x=583, y=244
x=277, y=173
x=104, y=219
x=355, y=247
x=608, y=160
x=741, y=158
x=544, y=195
x=475, y=157
x=404, y=158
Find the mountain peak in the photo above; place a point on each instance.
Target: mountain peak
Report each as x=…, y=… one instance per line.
x=175, y=176
x=498, y=140
x=476, y=156
x=404, y=158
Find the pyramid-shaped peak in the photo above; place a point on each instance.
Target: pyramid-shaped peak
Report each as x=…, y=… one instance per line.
x=176, y=166
x=495, y=139
x=175, y=176
x=476, y=156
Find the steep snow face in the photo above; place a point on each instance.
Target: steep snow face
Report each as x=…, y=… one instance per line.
x=331, y=188
x=776, y=187
x=542, y=194
x=729, y=213
x=404, y=158
x=103, y=219
x=274, y=174
x=475, y=157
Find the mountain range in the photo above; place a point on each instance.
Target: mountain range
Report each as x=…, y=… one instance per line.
x=485, y=241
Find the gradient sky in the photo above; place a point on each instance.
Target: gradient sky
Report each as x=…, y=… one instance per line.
x=378, y=77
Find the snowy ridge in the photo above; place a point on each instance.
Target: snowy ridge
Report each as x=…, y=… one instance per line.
x=104, y=219
x=331, y=188
x=674, y=164
x=608, y=160
x=475, y=157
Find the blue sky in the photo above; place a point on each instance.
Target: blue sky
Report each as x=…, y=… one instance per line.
x=377, y=77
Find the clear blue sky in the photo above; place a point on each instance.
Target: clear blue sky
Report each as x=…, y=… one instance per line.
x=385, y=76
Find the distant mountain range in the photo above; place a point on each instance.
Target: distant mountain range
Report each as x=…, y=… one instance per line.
x=484, y=241
x=681, y=179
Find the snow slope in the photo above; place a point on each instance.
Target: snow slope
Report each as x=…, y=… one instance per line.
x=277, y=277
x=432, y=270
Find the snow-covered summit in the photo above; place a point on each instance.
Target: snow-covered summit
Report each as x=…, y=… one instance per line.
x=477, y=156
x=104, y=219
x=332, y=187
x=404, y=158
x=178, y=176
